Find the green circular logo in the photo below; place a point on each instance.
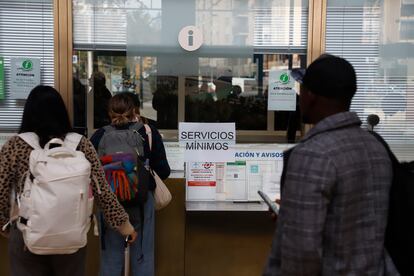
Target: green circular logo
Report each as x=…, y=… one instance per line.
x=27, y=65
x=284, y=78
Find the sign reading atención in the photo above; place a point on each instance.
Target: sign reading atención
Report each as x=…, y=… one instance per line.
x=208, y=142
x=24, y=76
x=282, y=95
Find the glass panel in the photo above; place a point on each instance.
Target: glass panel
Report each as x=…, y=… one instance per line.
x=285, y=120
x=226, y=90
x=99, y=77
x=377, y=37
x=26, y=31
x=135, y=44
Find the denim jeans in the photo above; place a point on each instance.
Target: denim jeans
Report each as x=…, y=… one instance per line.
x=141, y=251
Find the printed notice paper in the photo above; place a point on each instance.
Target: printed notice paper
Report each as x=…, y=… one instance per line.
x=235, y=181
x=175, y=155
x=201, y=181
x=281, y=93
x=257, y=167
x=24, y=76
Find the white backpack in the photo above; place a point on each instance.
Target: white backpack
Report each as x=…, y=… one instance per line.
x=55, y=205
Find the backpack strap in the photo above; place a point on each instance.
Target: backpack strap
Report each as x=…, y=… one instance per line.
x=136, y=126
x=72, y=140
x=109, y=128
x=149, y=134
x=31, y=138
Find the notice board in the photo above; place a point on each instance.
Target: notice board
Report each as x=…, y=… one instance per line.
x=256, y=167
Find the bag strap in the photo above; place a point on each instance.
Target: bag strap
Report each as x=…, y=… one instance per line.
x=72, y=140
x=109, y=128
x=31, y=138
x=136, y=126
x=149, y=134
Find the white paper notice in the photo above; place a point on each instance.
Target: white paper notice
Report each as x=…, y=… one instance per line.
x=208, y=142
x=282, y=95
x=175, y=155
x=261, y=177
x=235, y=181
x=201, y=181
x=271, y=185
x=24, y=76
x=220, y=191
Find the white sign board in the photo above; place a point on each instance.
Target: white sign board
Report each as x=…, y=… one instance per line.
x=257, y=167
x=24, y=76
x=201, y=181
x=282, y=95
x=208, y=142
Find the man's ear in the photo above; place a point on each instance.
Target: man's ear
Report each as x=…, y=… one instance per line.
x=312, y=96
x=312, y=99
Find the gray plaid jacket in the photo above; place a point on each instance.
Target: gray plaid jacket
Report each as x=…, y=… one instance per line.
x=334, y=204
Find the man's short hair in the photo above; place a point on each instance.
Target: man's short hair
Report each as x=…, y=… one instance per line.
x=330, y=76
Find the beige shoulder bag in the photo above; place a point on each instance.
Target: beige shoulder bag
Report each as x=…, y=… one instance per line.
x=162, y=196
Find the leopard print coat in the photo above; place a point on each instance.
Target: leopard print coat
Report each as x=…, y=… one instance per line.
x=14, y=162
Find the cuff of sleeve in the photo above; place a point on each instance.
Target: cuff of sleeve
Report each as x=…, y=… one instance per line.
x=126, y=228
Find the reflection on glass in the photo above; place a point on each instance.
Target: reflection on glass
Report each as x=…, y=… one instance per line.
x=223, y=99
x=112, y=73
x=101, y=97
x=225, y=80
x=165, y=102
x=226, y=90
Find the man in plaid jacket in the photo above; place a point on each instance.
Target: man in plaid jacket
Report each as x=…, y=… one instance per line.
x=335, y=185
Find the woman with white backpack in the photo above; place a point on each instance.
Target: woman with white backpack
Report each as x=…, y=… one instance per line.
x=49, y=177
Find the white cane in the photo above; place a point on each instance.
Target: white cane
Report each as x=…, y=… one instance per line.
x=126, y=253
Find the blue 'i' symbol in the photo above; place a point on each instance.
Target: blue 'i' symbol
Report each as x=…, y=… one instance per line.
x=190, y=38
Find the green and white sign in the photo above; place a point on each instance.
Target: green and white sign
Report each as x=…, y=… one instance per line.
x=1, y=78
x=282, y=95
x=24, y=76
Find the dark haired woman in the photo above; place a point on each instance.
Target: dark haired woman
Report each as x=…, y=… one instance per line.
x=124, y=113
x=45, y=114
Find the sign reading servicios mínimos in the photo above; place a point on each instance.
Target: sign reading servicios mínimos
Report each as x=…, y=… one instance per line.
x=24, y=76
x=208, y=142
x=1, y=78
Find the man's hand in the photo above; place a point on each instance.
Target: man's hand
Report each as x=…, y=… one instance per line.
x=273, y=215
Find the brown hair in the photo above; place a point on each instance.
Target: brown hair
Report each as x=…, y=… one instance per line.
x=121, y=109
x=135, y=99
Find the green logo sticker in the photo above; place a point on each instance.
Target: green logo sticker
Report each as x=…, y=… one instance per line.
x=27, y=65
x=284, y=78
